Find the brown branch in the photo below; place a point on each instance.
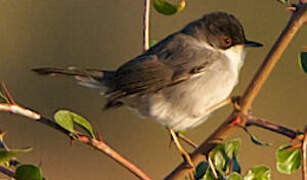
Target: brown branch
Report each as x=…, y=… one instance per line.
x=95, y=143
x=146, y=25
x=7, y=172
x=8, y=94
x=304, y=157
x=298, y=18
x=259, y=122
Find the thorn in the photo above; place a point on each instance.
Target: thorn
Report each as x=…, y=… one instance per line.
x=8, y=94
x=99, y=136
x=72, y=141
x=40, y=164
x=295, y=146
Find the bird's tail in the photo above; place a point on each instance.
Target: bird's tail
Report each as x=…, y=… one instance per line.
x=91, y=78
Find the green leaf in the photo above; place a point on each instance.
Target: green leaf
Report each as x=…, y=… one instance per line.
x=81, y=121
x=302, y=61
x=219, y=157
x=65, y=120
x=258, y=173
x=257, y=141
x=166, y=8
x=235, y=176
x=208, y=175
x=232, y=147
x=201, y=170
x=235, y=165
x=288, y=160
x=28, y=172
x=254, y=139
x=6, y=155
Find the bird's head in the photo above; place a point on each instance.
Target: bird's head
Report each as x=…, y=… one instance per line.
x=220, y=30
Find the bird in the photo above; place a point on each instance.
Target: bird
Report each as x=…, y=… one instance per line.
x=180, y=79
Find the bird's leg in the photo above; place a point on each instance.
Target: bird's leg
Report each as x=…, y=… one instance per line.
x=219, y=105
x=234, y=100
x=187, y=140
x=184, y=154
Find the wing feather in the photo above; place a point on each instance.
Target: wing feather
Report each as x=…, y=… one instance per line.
x=174, y=60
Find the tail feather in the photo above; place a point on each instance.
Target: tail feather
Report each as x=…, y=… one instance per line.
x=91, y=78
x=70, y=71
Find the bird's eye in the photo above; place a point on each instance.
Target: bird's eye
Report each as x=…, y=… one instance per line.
x=226, y=41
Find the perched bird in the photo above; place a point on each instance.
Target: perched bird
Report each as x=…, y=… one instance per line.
x=179, y=80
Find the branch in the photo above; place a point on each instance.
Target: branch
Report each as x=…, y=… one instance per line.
x=146, y=25
x=7, y=172
x=259, y=122
x=99, y=145
x=304, y=157
x=298, y=18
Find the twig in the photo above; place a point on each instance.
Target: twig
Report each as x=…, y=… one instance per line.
x=259, y=122
x=296, y=21
x=146, y=25
x=103, y=147
x=8, y=94
x=96, y=144
x=7, y=172
x=16, y=109
x=304, y=157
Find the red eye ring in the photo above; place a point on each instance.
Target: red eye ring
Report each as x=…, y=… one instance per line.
x=226, y=41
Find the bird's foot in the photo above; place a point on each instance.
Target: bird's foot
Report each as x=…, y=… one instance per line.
x=186, y=156
x=187, y=140
x=236, y=102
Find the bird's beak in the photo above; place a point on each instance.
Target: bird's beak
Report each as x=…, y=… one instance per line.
x=248, y=43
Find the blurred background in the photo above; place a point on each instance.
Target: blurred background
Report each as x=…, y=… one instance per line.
x=104, y=34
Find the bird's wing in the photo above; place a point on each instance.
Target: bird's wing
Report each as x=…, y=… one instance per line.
x=166, y=64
